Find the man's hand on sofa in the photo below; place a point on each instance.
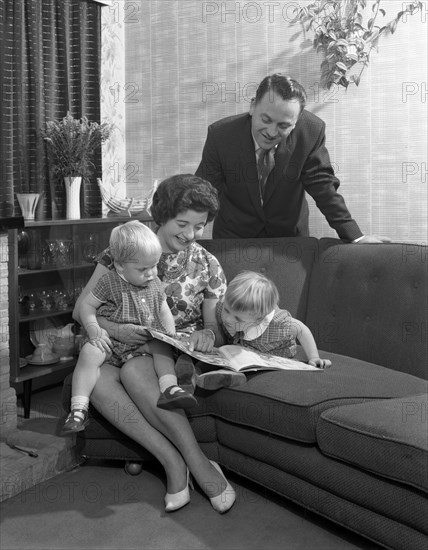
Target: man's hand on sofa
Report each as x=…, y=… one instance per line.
x=372, y=239
x=320, y=363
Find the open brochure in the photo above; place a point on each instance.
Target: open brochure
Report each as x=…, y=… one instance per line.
x=233, y=357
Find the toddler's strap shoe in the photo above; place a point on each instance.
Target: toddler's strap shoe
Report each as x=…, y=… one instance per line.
x=185, y=372
x=76, y=421
x=175, y=397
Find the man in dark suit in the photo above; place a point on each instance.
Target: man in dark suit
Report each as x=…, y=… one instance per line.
x=263, y=162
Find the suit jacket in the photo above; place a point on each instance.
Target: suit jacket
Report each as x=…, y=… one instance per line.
x=302, y=164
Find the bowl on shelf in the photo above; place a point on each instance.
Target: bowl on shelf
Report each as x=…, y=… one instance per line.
x=42, y=355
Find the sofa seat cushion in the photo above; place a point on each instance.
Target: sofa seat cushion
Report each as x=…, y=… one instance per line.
x=388, y=437
x=289, y=403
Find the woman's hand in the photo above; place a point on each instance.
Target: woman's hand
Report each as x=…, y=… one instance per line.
x=102, y=341
x=202, y=340
x=132, y=334
x=127, y=333
x=319, y=363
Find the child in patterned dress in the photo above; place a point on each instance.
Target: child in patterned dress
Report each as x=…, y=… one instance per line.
x=249, y=316
x=129, y=293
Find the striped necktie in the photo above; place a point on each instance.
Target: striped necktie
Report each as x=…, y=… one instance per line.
x=265, y=165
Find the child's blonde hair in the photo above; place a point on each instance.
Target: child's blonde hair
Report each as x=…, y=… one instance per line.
x=130, y=239
x=251, y=292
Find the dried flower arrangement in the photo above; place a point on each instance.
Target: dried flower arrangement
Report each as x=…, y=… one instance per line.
x=73, y=142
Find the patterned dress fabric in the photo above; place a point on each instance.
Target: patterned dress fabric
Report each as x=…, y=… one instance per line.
x=189, y=277
x=277, y=339
x=123, y=302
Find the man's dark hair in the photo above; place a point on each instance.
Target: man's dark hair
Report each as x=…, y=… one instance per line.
x=284, y=86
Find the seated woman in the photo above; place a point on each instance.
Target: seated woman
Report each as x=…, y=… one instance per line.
x=194, y=283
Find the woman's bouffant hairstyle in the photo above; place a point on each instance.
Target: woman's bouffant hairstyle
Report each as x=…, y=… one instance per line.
x=183, y=192
x=251, y=292
x=131, y=239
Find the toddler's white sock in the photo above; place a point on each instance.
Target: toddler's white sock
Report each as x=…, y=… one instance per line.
x=166, y=381
x=80, y=402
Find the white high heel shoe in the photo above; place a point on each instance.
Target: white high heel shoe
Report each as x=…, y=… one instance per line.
x=225, y=500
x=175, y=501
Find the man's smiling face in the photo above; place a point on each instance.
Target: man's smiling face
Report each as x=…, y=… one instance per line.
x=273, y=119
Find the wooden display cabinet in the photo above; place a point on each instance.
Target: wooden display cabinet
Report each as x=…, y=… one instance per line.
x=49, y=264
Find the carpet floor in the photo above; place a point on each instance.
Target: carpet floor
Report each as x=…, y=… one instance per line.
x=99, y=506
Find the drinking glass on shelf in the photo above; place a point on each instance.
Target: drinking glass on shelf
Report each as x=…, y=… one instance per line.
x=61, y=299
x=46, y=255
x=32, y=301
x=64, y=251
x=60, y=251
x=90, y=248
x=52, y=250
x=46, y=300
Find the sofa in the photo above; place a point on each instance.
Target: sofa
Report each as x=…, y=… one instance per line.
x=349, y=443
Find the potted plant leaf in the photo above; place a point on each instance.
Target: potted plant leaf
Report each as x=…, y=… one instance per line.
x=72, y=144
x=346, y=32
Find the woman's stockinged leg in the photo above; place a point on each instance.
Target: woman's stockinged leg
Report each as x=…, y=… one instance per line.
x=112, y=401
x=142, y=385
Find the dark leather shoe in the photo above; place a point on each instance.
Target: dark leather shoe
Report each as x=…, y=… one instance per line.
x=76, y=421
x=185, y=372
x=175, y=397
x=221, y=378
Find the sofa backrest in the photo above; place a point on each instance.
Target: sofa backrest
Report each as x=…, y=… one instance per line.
x=370, y=302
x=364, y=301
x=287, y=261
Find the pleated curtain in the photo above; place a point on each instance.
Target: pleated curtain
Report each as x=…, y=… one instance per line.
x=49, y=65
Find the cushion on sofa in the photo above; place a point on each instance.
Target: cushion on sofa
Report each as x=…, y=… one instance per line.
x=389, y=438
x=370, y=302
x=289, y=403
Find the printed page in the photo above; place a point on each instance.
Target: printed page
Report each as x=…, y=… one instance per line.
x=233, y=357
x=240, y=358
x=181, y=342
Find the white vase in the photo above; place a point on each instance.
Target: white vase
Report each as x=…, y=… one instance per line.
x=28, y=203
x=72, y=193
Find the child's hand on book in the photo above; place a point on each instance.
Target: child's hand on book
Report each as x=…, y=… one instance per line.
x=319, y=363
x=202, y=340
